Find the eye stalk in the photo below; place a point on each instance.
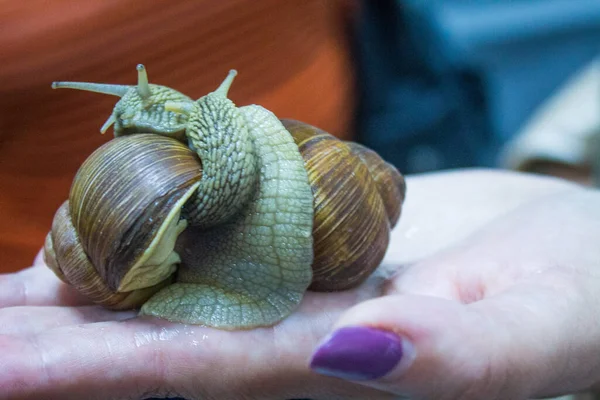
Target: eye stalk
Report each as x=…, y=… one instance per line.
x=186, y=108
x=143, y=88
x=179, y=107
x=223, y=88
x=104, y=88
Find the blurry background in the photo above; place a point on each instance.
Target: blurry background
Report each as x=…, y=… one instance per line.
x=447, y=83
x=430, y=85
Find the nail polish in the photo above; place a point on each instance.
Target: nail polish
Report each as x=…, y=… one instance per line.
x=358, y=353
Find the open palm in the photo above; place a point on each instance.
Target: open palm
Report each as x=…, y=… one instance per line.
x=437, y=277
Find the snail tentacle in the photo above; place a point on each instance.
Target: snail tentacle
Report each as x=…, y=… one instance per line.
x=143, y=88
x=104, y=88
x=109, y=122
x=180, y=107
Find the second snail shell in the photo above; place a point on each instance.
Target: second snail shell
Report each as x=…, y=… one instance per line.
x=354, y=196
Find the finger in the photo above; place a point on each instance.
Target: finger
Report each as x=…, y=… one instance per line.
x=427, y=347
x=29, y=320
x=37, y=286
x=141, y=358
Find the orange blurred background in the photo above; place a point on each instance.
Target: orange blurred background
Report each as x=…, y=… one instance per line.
x=292, y=57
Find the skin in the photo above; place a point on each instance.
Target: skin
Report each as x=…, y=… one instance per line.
x=501, y=275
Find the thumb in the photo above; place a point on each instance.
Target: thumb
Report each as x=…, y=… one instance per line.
x=431, y=348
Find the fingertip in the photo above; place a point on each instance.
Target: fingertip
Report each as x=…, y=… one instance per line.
x=362, y=353
x=401, y=344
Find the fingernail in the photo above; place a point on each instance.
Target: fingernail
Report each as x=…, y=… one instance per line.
x=358, y=353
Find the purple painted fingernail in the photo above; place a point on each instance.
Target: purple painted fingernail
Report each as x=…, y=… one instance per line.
x=358, y=353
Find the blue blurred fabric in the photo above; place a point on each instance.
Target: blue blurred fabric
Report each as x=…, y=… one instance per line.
x=445, y=83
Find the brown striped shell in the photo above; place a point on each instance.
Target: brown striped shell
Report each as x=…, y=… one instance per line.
x=131, y=190
x=113, y=240
x=357, y=200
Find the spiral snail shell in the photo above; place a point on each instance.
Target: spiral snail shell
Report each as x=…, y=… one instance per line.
x=206, y=213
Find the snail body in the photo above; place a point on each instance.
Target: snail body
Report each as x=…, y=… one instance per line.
x=261, y=219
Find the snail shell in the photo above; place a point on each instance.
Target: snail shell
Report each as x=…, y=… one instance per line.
x=113, y=240
x=357, y=199
x=309, y=200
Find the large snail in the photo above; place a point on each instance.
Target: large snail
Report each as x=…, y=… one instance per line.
x=206, y=213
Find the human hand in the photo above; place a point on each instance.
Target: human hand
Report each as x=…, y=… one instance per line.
x=511, y=312
x=55, y=345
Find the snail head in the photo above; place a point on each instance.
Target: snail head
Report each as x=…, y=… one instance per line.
x=141, y=108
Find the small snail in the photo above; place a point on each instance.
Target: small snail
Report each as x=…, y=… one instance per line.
x=206, y=213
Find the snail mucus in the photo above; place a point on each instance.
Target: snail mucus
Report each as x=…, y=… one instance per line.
x=202, y=212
